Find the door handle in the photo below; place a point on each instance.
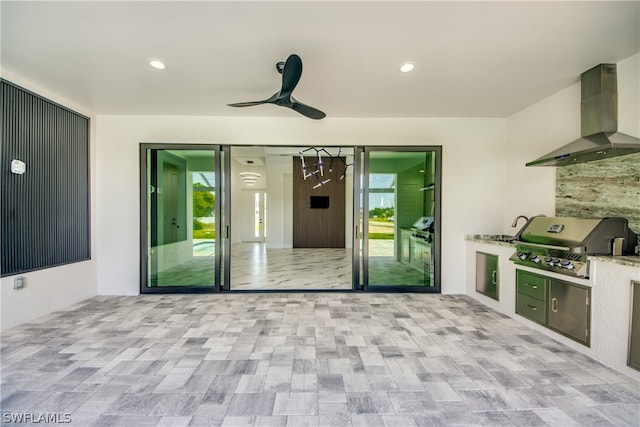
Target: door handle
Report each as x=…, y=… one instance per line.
x=554, y=305
x=494, y=277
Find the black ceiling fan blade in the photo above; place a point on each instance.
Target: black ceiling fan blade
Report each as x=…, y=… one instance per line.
x=290, y=75
x=307, y=110
x=246, y=104
x=252, y=103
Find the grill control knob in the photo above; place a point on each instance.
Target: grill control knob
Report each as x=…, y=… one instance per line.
x=556, y=262
x=567, y=264
x=534, y=258
x=522, y=255
x=549, y=261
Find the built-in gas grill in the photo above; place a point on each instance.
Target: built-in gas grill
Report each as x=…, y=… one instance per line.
x=563, y=244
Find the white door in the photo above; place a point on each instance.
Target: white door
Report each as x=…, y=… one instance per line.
x=254, y=215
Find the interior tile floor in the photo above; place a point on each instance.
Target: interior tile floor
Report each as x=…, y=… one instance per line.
x=254, y=267
x=303, y=359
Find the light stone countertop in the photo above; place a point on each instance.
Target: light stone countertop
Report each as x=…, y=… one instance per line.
x=629, y=260
x=494, y=239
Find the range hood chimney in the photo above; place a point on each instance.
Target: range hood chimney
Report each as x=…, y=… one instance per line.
x=600, y=138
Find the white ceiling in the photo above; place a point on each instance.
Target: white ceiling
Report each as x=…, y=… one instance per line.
x=473, y=59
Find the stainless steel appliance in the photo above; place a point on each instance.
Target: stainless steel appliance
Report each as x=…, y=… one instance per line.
x=600, y=138
x=563, y=244
x=487, y=280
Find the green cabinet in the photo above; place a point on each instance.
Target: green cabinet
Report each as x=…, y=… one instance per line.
x=561, y=306
x=531, y=293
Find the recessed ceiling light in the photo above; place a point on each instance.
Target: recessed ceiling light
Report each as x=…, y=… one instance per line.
x=158, y=65
x=406, y=67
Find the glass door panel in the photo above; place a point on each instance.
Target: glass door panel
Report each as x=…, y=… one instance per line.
x=399, y=215
x=181, y=211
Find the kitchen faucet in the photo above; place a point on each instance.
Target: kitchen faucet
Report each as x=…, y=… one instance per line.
x=515, y=221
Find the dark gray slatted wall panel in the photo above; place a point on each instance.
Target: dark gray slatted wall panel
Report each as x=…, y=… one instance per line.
x=45, y=211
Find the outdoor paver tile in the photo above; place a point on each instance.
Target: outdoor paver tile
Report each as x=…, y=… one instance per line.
x=251, y=404
x=295, y=404
x=296, y=359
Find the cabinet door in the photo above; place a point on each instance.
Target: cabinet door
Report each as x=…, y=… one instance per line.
x=416, y=254
x=634, y=339
x=487, y=274
x=405, y=255
x=569, y=310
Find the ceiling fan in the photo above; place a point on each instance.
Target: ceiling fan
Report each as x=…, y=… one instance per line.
x=291, y=71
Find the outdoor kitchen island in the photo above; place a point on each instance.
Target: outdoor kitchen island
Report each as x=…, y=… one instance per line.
x=609, y=282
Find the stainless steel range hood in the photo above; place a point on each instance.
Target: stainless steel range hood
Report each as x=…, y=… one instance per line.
x=599, y=123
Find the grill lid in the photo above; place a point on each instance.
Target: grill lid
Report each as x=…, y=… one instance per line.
x=593, y=236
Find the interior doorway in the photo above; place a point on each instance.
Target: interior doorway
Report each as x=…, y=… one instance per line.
x=254, y=215
x=288, y=200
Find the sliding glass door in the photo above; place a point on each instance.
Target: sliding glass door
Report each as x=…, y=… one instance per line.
x=390, y=205
x=183, y=239
x=399, y=210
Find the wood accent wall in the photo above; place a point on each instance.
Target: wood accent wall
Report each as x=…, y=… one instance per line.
x=318, y=228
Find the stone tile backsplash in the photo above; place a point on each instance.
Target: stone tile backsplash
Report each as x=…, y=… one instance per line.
x=609, y=187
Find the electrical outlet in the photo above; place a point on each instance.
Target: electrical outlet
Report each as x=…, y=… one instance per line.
x=18, y=283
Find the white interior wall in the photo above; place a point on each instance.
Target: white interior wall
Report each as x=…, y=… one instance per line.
x=474, y=174
x=279, y=202
x=56, y=288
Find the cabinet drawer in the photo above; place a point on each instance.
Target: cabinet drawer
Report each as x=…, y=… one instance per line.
x=531, y=308
x=530, y=284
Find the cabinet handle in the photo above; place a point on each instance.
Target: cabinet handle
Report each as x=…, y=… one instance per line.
x=494, y=277
x=554, y=305
x=532, y=307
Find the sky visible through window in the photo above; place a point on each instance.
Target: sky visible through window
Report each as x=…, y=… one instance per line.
x=207, y=179
x=382, y=190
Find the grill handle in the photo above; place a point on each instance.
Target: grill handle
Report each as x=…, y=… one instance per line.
x=525, y=245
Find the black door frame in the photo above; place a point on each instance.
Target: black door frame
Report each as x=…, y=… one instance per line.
x=363, y=192
x=360, y=256
x=222, y=220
